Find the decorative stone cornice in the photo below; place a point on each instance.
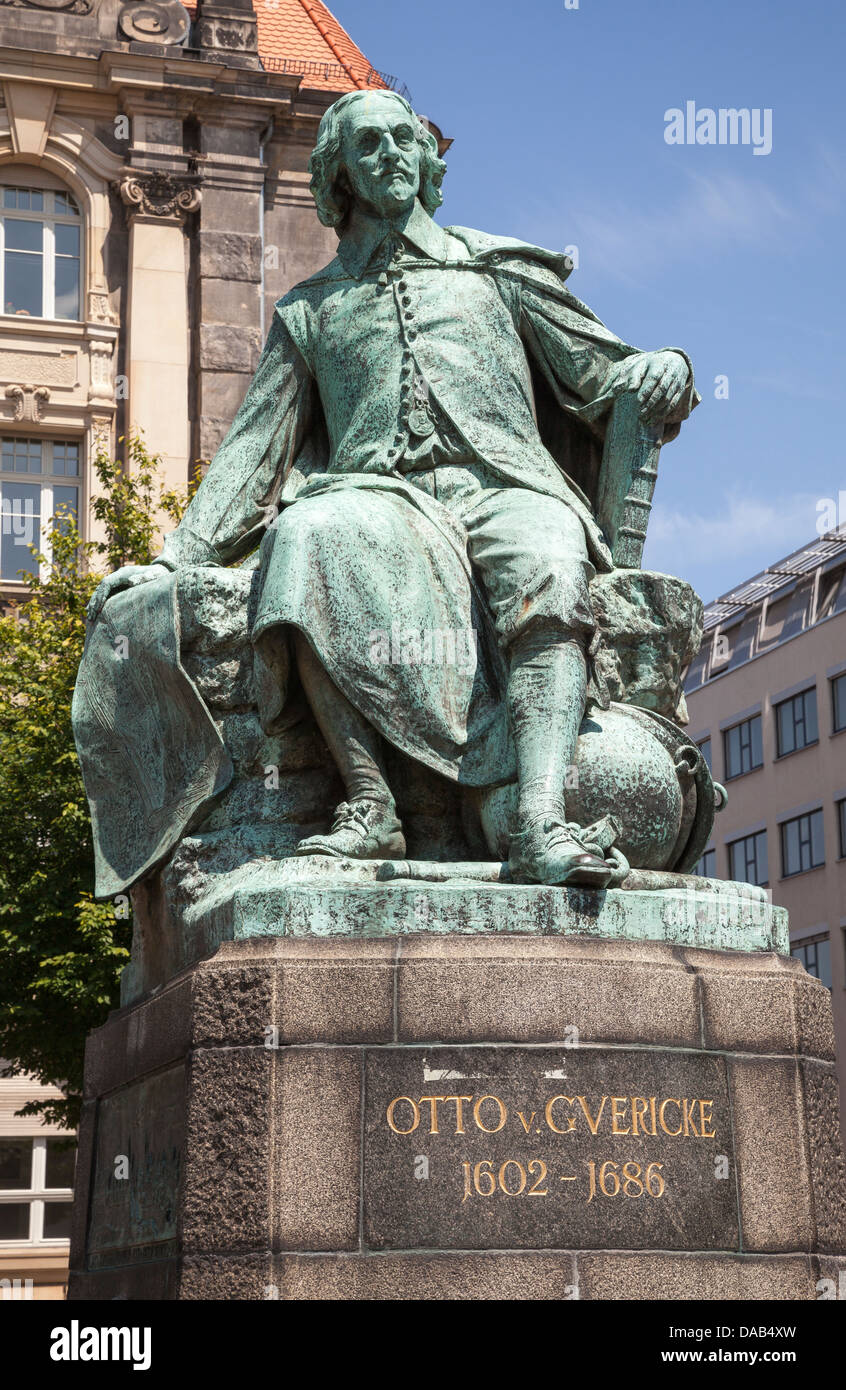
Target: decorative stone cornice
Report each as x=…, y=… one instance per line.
x=159, y=195
x=63, y=6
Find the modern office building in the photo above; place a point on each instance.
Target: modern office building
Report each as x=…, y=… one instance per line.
x=154, y=204
x=767, y=702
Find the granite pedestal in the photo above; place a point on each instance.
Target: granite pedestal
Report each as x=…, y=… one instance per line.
x=519, y=1115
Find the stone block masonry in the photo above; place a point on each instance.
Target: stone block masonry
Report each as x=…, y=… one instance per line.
x=464, y=1118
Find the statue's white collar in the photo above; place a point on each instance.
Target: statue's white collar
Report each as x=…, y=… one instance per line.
x=364, y=235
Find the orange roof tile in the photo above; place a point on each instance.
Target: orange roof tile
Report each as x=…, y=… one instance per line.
x=303, y=36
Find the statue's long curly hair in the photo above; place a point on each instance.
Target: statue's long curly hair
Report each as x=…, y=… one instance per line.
x=329, y=185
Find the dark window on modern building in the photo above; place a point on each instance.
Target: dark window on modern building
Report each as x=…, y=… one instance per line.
x=743, y=748
x=697, y=671
x=802, y=844
x=743, y=640
x=704, y=747
x=748, y=859
x=796, y=722
x=841, y=821
x=815, y=955
x=838, y=703
x=707, y=866
x=36, y=1187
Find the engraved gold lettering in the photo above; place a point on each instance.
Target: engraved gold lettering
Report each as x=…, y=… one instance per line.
x=632, y=1185
x=504, y=1180
x=617, y=1101
x=459, y=1110
x=653, y=1174
x=631, y=1181
x=483, y=1171
x=466, y=1167
x=654, y=1130
x=609, y=1170
x=706, y=1119
x=536, y=1190
x=503, y=1114
x=415, y=1111
x=688, y=1106
x=664, y=1103
x=527, y=1124
x=432, y=1102
x=594, y=1123
x=592, y=1171
x=639, y=1107
x=571, y=1123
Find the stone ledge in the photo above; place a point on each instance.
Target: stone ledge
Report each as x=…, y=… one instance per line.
x=313, y=898
x=336, y=991
x=612, y=1276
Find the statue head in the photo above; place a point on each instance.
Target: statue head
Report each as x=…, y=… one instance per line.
x=373, y=150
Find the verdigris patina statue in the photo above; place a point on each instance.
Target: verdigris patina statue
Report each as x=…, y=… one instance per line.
x=447, y=461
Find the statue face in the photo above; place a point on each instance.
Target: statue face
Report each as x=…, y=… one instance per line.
x=381, y=155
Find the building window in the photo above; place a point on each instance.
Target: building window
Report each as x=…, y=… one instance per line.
x=748, y=859
x=40, y=253
x=802, y=844
x=815, y=955
x=704, y=747
x=743, y=747
x=838, y=704
x=841, y=822
x=36, y=1188
x=796, y=723
x=707, y=866
x=39, y=478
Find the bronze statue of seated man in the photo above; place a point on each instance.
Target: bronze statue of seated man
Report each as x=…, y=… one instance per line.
x=407, y=456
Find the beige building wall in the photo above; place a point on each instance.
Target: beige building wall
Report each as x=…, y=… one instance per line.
x=785, y=787
x=35, y=1267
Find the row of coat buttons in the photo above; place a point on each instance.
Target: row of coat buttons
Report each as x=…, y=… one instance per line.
x=417, y=420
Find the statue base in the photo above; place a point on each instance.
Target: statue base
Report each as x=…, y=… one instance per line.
x=183, y=917
x=464, y=1117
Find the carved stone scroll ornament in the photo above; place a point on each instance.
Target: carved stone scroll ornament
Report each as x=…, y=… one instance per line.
x=28, y=401
x=101, y=433
x=99, y=308
x=65, y=6
x=154, y=21
x=100, y=360
x=159, y=195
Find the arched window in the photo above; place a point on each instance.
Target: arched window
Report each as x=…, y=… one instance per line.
x=40, y=246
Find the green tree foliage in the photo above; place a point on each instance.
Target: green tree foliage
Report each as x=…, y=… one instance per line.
x=60, y=952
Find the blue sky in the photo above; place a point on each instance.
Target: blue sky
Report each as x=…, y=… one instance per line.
x=558, y=121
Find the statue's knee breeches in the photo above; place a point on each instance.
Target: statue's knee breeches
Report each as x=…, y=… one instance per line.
x=530, y=552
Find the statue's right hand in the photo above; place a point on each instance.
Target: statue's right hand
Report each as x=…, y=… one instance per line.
x=125, y=578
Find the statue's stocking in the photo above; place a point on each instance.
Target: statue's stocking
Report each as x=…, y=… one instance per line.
x=353, y=742
x=547, y=686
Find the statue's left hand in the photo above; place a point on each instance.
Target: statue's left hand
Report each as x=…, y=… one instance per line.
x=660, y=380
x=125, y=578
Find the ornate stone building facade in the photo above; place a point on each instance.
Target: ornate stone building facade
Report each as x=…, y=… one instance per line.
x=154, y=205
